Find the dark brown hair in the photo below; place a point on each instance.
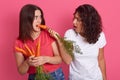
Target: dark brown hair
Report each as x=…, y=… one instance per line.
x=91, y=22
x=26, y=18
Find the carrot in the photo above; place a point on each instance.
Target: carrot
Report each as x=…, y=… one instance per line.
x=38, y=48
x=21, y=50
x=28, y=50
x=33, y=52
x=42, y=26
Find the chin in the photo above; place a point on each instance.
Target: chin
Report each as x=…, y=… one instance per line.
x=76, y=30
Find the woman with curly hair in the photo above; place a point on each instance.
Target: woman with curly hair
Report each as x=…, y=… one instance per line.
x=88, y=47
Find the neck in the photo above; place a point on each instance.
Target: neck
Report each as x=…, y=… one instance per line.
x=35, y=35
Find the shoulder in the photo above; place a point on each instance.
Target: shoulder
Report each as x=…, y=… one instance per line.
x=102, y=35
x=70, y=32
x=45, y=36
x=102, y=40
x=19, y=44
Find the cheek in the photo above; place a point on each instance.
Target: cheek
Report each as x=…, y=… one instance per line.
x=34, y=25
x=79, y=27
x=36, y=28
x=40, y=21
x=34, y=22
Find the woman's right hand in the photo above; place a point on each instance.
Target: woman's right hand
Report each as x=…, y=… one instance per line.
x=37, y=61
x=30, y=61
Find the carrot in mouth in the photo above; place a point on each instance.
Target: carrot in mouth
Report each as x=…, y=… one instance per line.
x=42, y=26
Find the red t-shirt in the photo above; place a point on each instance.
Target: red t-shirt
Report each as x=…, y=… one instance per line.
x=45, y=50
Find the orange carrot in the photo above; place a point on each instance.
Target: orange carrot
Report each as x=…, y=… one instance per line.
x=28, y=50
x=42, y=26
x=21, y=50
x=33, y=52
x=38, y=48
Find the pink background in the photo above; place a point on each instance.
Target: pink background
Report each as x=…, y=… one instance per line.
x=58, y=15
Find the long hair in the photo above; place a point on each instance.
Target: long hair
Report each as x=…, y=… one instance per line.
x=91, y=22
x=26, y=18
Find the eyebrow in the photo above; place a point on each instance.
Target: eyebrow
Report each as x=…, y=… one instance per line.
x=35, y=16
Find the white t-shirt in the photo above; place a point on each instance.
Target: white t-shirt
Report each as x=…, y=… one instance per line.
x=85, y=65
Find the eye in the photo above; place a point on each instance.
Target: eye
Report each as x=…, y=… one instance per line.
x=35, y=17
x=79, y=20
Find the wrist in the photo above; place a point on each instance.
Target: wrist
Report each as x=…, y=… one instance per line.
x=48, y=60
x=26, y=62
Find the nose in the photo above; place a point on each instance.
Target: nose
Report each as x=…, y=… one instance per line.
x=74, y=21
x=39, y=19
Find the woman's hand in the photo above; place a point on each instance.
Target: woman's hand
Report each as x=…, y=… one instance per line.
x=30, y=61
x=37, y=61
x=53, y=33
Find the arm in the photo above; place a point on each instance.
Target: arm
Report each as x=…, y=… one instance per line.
x=65, y=56
x=22, y=64
x=55, y=59
x=101, y=62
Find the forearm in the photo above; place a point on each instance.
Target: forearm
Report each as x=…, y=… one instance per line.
x=103, y=68
x=101, y=61
x=54, y=60
x=23, y=68
x=65, y=56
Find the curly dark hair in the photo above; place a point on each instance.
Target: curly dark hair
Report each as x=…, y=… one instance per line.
x=91, y=22
x=26, y=20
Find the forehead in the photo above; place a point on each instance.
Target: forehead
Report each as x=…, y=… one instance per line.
x=77, y=15
x=37, y=12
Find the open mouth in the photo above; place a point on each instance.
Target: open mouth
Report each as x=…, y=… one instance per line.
x=74, y=27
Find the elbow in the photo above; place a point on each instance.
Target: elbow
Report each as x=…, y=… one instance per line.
x=60, y=61
x=68, y=61
x=21, y=72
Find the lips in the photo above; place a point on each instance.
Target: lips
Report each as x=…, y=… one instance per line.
x=75, y=27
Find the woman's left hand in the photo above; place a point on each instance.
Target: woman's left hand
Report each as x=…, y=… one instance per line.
x=40, y=60
x=53, y=33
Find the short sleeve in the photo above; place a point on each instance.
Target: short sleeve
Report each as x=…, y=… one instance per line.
x=66, y=35
x=102, y=40
x=69, y=34
x=49, y=38
x=18, y=44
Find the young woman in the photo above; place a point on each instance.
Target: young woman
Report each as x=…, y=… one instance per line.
x=89, y=41
x=28, y=54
